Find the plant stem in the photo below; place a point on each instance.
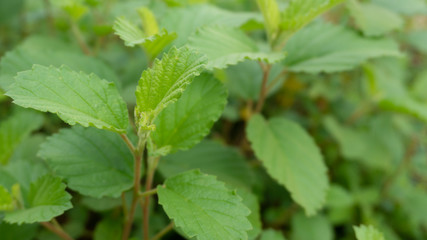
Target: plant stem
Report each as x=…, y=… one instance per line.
x=137, y=153
x=148, y=193
x=152, y=165
x=163, y=232
x=128, y=142
x=79, y=37
x=56, y=228
x=275, y=80
x=263, y=92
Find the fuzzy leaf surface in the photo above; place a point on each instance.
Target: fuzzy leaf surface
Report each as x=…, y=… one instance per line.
x=292, y=158
x=47, y=199
x=225, y=46
x=367, y=233
x=94, y=162
x=164, y=83
x=75, y=97
x=184, y=123
x=323, y=47
x=15, y=129
x=203, y=207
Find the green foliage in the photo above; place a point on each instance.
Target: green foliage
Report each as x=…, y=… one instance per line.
x=202, y=206
x=75, y=97
x=335, y=49
x=14, y=130
x=227, y=46
x=271, y=234
x=292, y=158
x=301, y=12
x=374, y=20
x=368, y=233
x=184, y=123
x=308, y=115
x=46, y=199
x=94, y=162
x=164, y=83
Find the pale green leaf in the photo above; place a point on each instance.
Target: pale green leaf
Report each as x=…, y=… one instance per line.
x=164, y=83
x=386, y=79
x=367, y=233
x=323, y=47
x=271, y=234
x=407, y=7
x=185, y=21
x=271, y=12
x=339, y=197
x=46, y=199
x=49, y=51
x=21, y=174
x=108, y=229
x=94, y=162
x=183, y=124
x=418, y=40
x=292, y=158
x=15, y=129
x=301, y=12
x=419, y=86
x=149, y=21
x=6, y=202
x=75, y=97
x=309, y=228
x=373, y=19
x=132, y=35
x=203, y=207
x=225, y=46
x=212, y=158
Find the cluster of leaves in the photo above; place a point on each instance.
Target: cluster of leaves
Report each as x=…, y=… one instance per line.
x=251, y=120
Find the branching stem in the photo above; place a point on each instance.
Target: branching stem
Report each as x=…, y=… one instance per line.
x=57, y=229
x=152, y=165
x=164, y=231
x=263, y=92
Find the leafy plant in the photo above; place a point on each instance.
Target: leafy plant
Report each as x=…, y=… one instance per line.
x=251, y=120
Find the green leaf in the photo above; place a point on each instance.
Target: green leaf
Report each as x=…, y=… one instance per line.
x=386, y=78
x=323, y=47
x=15, y=231
x=250, y=200
x=418, y=39
x=108, y=229
x=94, y=162
x=367, y=233
x=301, y=12
x=149, y=21
x=219, y=160
x=132, y=35
x=14, y=130
x=183, y=124
x=47, y=199
x=244, y=80
x=225, y=46
x=75, y=97
x=419, y=85
x=374, y=20
x=271, y=234
x=407, y=7
x=309, y=228
x=292, y=158
x=6, y=202
x=48, y=51
x=203, y=207
x=164, y=83
x=185, y=21
x=271, y=13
